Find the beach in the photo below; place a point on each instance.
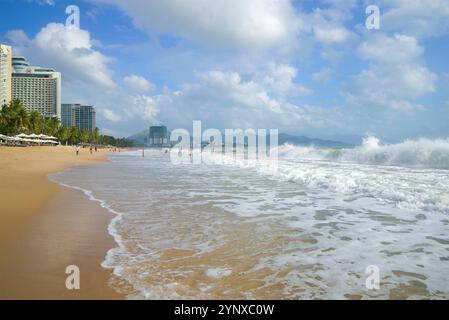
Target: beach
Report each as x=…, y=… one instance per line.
x=309, y=230
x=45, y=227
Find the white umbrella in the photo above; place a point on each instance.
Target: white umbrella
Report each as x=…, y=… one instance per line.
x=43, y=136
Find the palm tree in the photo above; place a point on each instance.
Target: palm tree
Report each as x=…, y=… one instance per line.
x=52, y=126
x=36, y=123
x=23, y=119
x=63, y=134
x=96, y=135
x=73, y=135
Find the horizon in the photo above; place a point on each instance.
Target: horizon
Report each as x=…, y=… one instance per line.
x=308, y=69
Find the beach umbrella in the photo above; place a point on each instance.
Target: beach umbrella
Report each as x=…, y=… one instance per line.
x=45, y=137
x=50, y=142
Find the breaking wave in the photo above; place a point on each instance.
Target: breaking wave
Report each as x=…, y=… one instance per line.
x=424, y=153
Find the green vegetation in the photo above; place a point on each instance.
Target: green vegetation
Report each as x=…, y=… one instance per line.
x=15, y=119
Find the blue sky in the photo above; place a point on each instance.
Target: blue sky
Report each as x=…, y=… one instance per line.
x=304, y=67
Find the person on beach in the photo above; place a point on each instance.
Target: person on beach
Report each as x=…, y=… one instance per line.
x=77, y=150
x=96, y=148
x=91, y=149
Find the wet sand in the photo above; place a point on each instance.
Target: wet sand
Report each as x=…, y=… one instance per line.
x=44, y=228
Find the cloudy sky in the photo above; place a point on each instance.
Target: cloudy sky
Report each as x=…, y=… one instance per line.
x=302, y=66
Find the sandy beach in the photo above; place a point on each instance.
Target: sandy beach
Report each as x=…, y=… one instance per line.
x=44, y=228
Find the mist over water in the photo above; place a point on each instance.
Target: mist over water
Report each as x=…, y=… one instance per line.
x=307, y=230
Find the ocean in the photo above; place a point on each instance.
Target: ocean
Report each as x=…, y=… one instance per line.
x=312, y=229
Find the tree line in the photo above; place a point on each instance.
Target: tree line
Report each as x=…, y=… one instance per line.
x=15, y=119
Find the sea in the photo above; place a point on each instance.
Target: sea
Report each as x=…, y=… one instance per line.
x=370, y=222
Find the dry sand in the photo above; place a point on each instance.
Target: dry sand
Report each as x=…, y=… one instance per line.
x=44, y=228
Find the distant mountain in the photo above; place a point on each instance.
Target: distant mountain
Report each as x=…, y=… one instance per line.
x=141, y=138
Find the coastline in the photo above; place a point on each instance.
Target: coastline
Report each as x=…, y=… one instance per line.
x=45, y=227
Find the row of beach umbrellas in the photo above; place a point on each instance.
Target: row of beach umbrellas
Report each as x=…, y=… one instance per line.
x=32, y=138
x=36, y=136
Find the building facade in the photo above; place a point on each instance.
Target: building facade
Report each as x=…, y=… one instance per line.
x=67, y=114
x=5, y=74
x=85, y=118
x=78, y=116
x=38, y=88
x=158, y=136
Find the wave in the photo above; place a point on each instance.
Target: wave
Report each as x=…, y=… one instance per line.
x=112, y=227
x=415, y=153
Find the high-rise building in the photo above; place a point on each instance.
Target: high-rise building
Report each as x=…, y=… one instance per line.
x=38, y=88
x=5, y=74
x=85, y=118
x=78, y=116
x=68, y=114
x=158, y=136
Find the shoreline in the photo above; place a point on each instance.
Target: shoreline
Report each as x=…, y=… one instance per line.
x=45, y=227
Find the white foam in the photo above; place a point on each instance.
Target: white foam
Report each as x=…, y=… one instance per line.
x=218, y=273
x=424, y=153
x=341, y=213
x=107, y=264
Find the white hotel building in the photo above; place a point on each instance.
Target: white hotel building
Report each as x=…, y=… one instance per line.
x=5, y=74
x=38, y=88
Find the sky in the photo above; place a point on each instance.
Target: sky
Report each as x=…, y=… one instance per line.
x=301, y=66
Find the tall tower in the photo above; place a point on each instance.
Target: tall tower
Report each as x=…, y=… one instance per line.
x=5, y=74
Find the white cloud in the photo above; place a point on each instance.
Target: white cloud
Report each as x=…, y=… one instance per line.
x=248, y=24
x=329, y=34
x=112, y=116
x=327, y=25
x=396, y=78
x=144, y=107
x=68, y=50
x=280, y=80
x=393, y=87
x=138, y=84
x=18, y=37
x=229, y=99
x=46, y=2
x=419, y=18
x=396, y=49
